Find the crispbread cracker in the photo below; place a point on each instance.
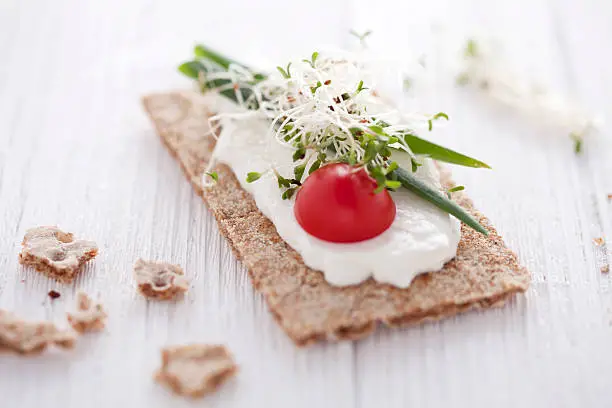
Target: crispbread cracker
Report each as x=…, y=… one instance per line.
x=483, y=274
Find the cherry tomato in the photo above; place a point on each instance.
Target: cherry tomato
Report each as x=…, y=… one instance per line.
x=337, y=203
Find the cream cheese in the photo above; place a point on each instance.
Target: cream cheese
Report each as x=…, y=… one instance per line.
x=421, y=239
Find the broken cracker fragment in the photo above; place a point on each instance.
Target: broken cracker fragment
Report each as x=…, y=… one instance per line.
x=89, y=316
x=605, y=268
x=195, y=370
x=599, y=241
x=159, y=280
x=56, y=253
x=25, y=337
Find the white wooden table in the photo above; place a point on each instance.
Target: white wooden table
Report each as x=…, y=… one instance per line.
x=77, y=151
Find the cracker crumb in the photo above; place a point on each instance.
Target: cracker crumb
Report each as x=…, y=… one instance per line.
x=609, y=196
x=159, y=280
x=26, y=337
x=53, y=294
x=599, y=241
x=89, y=316
x=195, y=370
x=55, y=253
x=605, y=269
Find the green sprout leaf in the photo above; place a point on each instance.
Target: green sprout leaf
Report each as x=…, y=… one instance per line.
x=370, y=151
x=361, y=37
x=314, y=166
x=423, y=147
x=360, y=87
x=436, y=117
x=577, y=142
x=313, y=60
x=299, y=154
x=392, y=184
x=378, y=130
x=298, y=171
x=283, y=182
x=392, y=166
x=440, y=115
x=213, y=175
x=471, y=49
x=286, y=73
x=462, y=79
x=456, y=188
x=287, y=194
x=252, y=176
x=406, y=84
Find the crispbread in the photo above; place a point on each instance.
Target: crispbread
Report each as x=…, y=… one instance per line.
x=485, y=273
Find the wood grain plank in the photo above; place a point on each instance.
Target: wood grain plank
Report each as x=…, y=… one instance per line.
x=76, y=150
x=80, y=153
x=545, y=349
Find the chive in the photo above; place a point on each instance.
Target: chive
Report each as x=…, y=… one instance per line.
x=410, y=182
x=191, y=69
x=203, y=52
x=440, y=153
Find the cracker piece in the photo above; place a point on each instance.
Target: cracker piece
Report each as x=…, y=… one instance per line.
x=89, y=315
x=25, y=337
x=484, y=274
x=195, y=370
x=160, y=280
x=55, y=253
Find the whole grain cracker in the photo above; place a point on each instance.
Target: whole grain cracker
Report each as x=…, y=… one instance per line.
x=195, y=370
x=55, y=253
x=88, y=316
x=26, y=337
x=160, y=280
x=485, y=273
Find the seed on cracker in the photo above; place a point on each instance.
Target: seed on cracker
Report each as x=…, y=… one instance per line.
x=159, y=280
x=195, y=370
x=55, y=253
x=89, y=316
x=25, y=337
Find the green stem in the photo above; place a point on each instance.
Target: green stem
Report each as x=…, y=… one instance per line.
x=411, y=183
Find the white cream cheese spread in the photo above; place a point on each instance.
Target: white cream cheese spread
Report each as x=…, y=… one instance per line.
x=421, y=239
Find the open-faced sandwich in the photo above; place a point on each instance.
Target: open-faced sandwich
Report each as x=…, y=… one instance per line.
x=338, y=209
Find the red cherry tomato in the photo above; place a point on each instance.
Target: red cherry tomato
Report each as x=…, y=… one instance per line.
x=338, y=204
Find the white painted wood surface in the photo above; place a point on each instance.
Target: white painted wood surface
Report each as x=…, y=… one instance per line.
x=77, y=151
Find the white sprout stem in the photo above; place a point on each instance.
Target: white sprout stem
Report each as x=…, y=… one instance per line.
x=320, y=104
